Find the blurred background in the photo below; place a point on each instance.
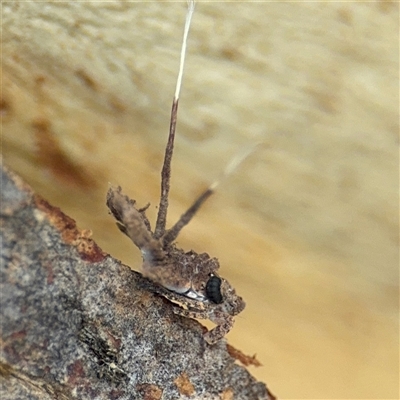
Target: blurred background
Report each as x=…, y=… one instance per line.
x=306, y=229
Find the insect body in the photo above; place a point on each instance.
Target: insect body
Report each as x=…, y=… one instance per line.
x=188, y=278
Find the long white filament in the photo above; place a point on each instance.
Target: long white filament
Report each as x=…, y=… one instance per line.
x=184, y=45
x=235, y=162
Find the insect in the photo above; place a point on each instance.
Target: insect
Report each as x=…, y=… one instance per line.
x=187, y=278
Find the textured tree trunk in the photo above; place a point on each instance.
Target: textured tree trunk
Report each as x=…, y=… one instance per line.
x=307, y=229
x=76, y=323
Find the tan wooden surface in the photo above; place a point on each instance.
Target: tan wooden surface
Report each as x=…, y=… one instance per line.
x=306, y=229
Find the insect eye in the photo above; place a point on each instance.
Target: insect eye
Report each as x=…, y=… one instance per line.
x=213, y=289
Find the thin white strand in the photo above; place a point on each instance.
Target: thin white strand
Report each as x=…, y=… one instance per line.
x=235, y=163
x=184, y=45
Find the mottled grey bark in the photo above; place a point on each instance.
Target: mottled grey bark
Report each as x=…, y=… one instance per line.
x=76, y=323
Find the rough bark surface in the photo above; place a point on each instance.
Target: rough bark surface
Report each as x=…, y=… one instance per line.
x=76, y=323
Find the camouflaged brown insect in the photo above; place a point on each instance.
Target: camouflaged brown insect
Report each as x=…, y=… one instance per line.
x=188, y=279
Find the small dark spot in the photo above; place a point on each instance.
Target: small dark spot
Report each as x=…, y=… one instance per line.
x=77, y=24
x=39, y=80
x=5, y=370
x=86, y=79
x=230, y=53
x=5, y=107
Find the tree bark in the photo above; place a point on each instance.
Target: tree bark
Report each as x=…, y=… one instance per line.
x=76, y=323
